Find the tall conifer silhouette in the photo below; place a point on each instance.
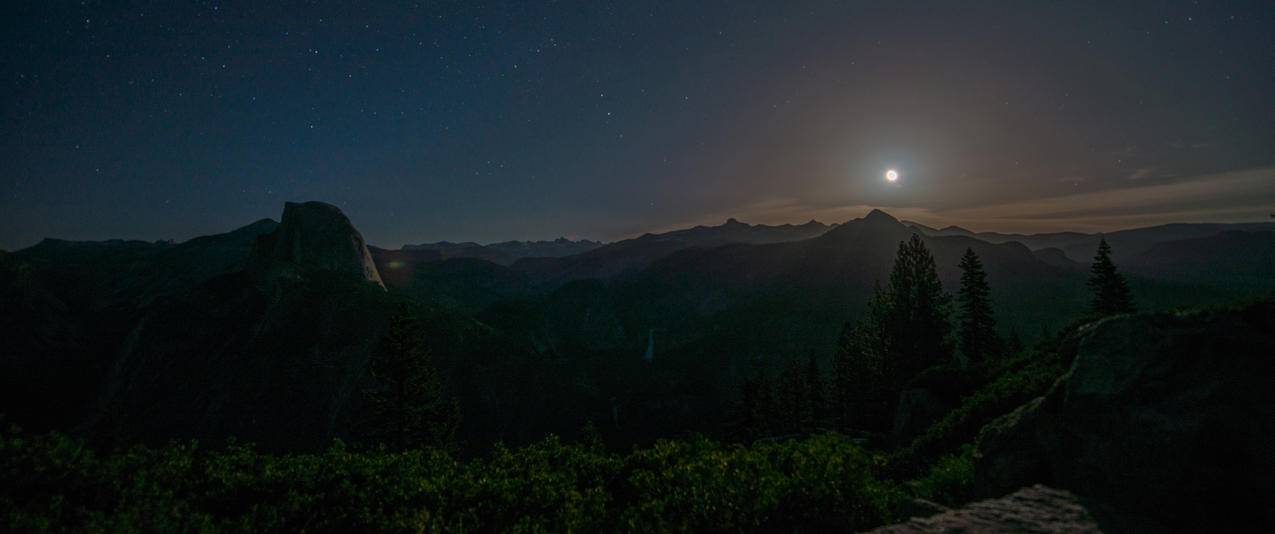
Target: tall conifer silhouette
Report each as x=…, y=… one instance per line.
x=1111, y=292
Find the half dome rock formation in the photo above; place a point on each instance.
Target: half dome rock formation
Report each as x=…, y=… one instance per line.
x=273, y=354
x=315, y=236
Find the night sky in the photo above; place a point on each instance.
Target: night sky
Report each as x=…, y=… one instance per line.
x=490, y=121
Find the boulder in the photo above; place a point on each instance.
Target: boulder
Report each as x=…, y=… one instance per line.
x=1168, y=415
x=1033, y=509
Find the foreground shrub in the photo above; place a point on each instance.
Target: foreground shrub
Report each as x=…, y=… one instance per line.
x=52, y=482
x=819, y=483
x=949, y=481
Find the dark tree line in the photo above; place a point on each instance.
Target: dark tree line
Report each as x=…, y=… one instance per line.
x=906, y=329
x=796, y=403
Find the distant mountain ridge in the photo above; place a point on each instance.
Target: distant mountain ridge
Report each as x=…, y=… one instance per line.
x=1126, y=244
x=556, y=248
x=632, y=255
x=839, y=269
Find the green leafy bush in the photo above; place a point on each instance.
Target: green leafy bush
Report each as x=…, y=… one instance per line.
x=818, y=483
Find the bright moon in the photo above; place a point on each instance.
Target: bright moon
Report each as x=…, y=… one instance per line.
x=891, y=175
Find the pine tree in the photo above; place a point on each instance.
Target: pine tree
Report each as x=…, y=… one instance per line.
x=815, y=398
x=844, y=374
x=916, y=323
x=860, y=395
x=1111, y=293
x=904, y=331
x=793, y=400
x=753, y=415
x=978, y=326
x=1014, y=345
x=407, y=406
x=747, y=424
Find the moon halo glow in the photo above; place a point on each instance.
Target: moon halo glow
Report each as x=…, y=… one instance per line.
x=892, y=175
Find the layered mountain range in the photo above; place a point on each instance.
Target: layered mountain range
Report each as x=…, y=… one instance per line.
x=1126, y=244
x=264, y=332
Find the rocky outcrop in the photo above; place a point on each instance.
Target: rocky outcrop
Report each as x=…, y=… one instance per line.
x=1172, y=416
x=928, y=397
x=316, y=236
x=1033, y=509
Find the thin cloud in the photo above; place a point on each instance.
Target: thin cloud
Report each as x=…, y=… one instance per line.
x=1141, y=173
